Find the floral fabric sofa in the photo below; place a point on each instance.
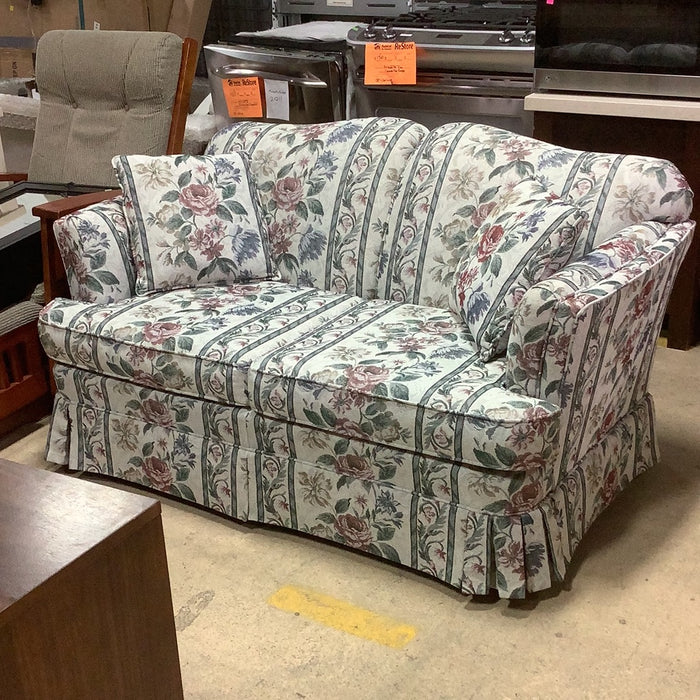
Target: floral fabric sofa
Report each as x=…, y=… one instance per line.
x=433, y=347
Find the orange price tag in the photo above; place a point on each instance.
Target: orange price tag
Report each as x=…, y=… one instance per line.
x=390, y=64
x=243, y=97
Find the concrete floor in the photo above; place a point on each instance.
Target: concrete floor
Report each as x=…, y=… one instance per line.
x=626, y=625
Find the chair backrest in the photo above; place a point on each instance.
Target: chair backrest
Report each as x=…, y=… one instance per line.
x=105, y=93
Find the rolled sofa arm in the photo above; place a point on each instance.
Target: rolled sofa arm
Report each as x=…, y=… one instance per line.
x=55, y=281
x=584, y=339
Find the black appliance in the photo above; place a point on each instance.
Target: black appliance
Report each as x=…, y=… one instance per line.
x=630, y=47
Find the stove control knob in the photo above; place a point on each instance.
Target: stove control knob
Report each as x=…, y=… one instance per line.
x=527, y=37
x=370, y=33
x=389, y=33
x=506, y=37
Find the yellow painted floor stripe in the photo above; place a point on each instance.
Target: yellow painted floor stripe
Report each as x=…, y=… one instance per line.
x=343, y=616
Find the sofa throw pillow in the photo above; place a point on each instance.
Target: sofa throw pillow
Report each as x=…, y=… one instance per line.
x=193, y=220
x=527, y=237
x=94, y=247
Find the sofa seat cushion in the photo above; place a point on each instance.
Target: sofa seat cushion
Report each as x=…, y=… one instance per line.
x=405, y=376
x=197, y=341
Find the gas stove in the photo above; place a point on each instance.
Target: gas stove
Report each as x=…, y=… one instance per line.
x=478, y=36
x=493, y=16
x=474, y=62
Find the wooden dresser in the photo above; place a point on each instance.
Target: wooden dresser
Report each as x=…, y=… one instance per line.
x=85, y=604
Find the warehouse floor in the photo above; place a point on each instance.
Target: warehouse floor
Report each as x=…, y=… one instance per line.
x=262, y=613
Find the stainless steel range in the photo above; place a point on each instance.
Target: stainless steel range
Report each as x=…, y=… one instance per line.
x=474, y=62
x=295, y=11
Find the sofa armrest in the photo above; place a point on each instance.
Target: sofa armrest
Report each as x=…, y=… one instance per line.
x=13, y=177
x=55, y=281
x=584, y=339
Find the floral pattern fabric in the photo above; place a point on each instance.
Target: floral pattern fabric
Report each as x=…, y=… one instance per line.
x=455, y=176
x=226, y=460
x=326, y=191
x=406, y=376
x=196, y=342
x=94, y=247
x=536, y=359
x=374, y=423
x=192, y=220
x=527, y=236
x=174, y=444
x=389, y=373
x=615, y=190
x=349, y=458
x=594, y=344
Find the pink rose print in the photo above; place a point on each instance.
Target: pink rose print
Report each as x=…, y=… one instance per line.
x=516, y=149
x=624, y=248
x=156, y=413
x=158, y=473
x=530, y=358
x=525, y=499
x=481, y=212
x=354, y=466
x=160, y=331
x=528, y=462
x=489, y=242
x=354, y=531
x=365, y=377
x=201, y=199
x=288, y=192
x=209, y=240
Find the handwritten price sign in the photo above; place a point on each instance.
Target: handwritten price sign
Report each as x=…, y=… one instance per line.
x=243, y=97
x=390, y=64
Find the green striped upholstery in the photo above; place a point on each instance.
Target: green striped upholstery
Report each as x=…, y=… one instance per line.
x=326, y=191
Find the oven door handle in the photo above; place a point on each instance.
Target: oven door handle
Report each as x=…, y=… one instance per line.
x=306, y=80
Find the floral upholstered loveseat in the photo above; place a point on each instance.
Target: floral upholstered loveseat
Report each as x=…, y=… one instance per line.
x=433, y=347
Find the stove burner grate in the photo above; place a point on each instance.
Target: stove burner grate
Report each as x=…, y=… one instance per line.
x=464, y=18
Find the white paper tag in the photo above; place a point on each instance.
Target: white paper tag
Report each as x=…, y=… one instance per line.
x=277, y=99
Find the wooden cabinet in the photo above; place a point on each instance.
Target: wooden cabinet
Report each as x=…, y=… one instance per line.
x=677, y=140
x=85, y=604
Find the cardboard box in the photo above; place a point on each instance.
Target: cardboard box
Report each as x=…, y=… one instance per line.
x=188, y=18
x=21, y=23
x=16, y=63
x=19, y=18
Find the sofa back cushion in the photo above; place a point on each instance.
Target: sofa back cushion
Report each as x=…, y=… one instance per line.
x=453, y=181
x=192, y=220
x=528, y=236
x=326, y=191
x=616, y=191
